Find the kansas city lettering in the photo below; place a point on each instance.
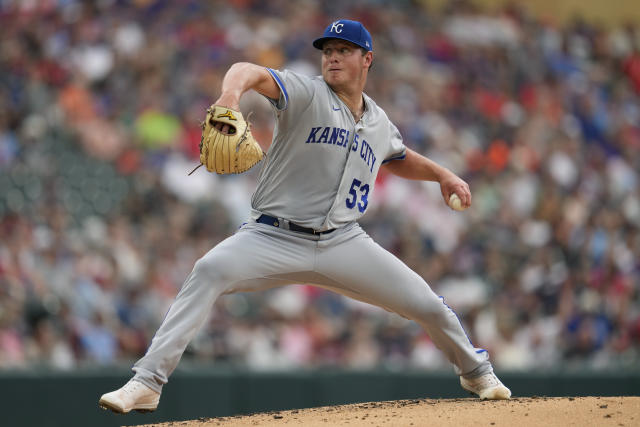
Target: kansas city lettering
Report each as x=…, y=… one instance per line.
x=328, y=135
x=340, y=138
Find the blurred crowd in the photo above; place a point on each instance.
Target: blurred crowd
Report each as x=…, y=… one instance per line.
x=100, y=107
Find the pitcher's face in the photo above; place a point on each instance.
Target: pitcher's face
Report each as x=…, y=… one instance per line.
x=343, y=63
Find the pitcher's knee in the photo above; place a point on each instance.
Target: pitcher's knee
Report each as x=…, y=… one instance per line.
x=211, y=270
x=206, y=281
x=428, y=308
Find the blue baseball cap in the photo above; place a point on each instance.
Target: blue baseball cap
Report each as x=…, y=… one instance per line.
x=344, y=29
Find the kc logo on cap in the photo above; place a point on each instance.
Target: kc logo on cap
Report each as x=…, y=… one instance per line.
x=336, y=27
x=345, y=29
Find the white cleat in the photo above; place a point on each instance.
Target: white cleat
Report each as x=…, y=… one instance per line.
x=132, y=396
x=486, y=386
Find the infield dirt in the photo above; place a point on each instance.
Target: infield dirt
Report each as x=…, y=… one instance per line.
x=520, y=412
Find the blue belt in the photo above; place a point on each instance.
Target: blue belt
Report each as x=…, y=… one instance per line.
x=273, y=221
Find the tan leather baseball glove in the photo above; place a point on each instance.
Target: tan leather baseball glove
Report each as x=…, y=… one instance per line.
x=233, y=152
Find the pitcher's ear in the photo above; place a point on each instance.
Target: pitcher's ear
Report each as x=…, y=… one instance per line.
x=368, y=59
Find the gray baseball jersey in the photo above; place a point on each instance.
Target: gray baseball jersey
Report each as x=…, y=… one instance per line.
x=321, y=167
x=319, y=173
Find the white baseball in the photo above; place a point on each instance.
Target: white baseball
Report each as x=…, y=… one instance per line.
x=455, y=202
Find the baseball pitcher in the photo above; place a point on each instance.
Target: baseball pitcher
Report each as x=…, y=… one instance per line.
x=330, y=140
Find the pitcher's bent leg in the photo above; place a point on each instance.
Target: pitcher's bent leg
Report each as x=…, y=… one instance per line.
x=364, y=270
x=246, y=261
x=186, y=315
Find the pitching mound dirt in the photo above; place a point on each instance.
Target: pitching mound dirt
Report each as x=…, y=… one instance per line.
x=520, y=412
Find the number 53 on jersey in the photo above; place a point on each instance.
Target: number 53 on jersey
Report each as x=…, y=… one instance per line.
x=352, y=199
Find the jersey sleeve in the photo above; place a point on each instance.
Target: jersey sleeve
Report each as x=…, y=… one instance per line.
x=397, y=149
x=296, y=90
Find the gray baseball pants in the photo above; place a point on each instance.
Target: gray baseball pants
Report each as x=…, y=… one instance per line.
x=347, y=261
